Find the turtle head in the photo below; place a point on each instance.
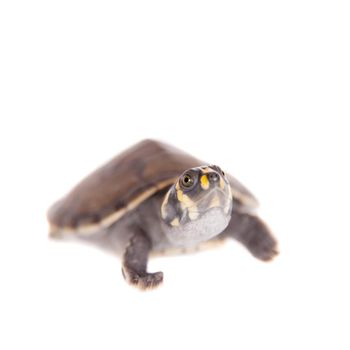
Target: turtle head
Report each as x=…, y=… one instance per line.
x=198, y=206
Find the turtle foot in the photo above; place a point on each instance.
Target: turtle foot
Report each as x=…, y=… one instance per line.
x=264, y=249
x=143, y=281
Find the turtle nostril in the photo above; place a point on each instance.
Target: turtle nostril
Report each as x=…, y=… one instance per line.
x=213, y=177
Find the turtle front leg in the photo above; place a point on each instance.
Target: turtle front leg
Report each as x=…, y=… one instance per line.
x=135, y=262
x=253, y=233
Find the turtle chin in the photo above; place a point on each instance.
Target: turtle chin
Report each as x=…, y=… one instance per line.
x=198, y=214
x=207, y=225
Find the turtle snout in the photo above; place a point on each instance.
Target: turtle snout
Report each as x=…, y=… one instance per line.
x=213, y=177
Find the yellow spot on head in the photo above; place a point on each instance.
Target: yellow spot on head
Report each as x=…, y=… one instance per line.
x=204, y=182
x=215, y=202
x=175, y=222
x=185, y=200
x=222, y=183
x=206, y=170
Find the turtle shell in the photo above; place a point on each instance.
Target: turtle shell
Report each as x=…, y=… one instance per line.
x=123, y=183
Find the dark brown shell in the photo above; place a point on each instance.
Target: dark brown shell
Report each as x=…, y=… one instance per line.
x=124, y=182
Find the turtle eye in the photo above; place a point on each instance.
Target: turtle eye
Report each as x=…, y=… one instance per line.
x=187, y=180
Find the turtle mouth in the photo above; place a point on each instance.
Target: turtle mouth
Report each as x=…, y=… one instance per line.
x=215, y=198
x=207, y=217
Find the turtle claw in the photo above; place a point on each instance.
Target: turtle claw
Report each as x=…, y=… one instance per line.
x=143, y=281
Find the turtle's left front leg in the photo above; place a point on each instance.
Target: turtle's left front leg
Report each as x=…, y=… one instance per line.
x=135, y=262
x=253, y=233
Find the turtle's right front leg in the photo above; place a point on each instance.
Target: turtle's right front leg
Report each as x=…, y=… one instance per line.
x=135, y=262
x=253, y=233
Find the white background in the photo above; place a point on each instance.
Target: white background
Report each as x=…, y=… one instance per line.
x=259, y=87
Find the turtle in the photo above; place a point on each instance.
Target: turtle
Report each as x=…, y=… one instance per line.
x=154, y=198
